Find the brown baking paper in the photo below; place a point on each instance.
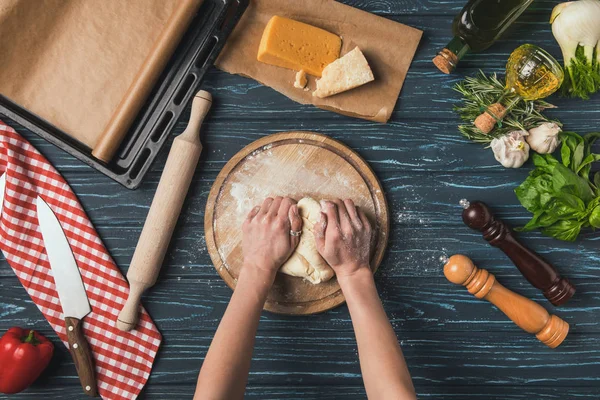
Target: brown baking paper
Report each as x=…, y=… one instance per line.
x=388, y=46
x=86, y=66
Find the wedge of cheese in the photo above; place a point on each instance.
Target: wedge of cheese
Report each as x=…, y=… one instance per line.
x=295, y=45
x=350, y=71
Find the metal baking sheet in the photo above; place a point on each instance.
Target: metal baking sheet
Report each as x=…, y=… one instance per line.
x=181, y=79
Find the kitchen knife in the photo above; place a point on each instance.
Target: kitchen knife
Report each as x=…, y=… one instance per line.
x=71, y=292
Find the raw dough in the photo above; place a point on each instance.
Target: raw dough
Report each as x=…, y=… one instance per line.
x=306, y=262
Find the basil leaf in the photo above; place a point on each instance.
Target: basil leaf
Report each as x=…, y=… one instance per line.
x=590, y=138
x=571, y=141
x=565, y=179
x=529, y=193
x=568, y=205
x=559, y=194
x=594, y=217
x=544, y=161
x=546, y=219
x=565, y=154
x=577, y=158
x=533, y=223
x=586, y=165
x=567, y=230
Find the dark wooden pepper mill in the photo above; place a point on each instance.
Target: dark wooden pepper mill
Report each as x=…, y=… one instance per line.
x=534, y=268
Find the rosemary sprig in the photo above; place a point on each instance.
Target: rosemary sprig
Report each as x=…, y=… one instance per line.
x=482, y=90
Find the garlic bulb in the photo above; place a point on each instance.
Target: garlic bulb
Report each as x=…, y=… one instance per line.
x=511, y=150
x=544, y=139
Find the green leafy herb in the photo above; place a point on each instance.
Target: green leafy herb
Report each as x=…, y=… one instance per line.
x=583, y=76
x=560, y=194
x=482, y=90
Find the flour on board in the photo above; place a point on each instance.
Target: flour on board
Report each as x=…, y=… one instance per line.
x=272, y=176
x=276, y=171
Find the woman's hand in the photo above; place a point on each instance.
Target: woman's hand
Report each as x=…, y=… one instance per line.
x=344, y=237
x=266, y=240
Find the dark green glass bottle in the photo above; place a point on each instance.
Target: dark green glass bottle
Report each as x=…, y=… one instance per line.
x=479, y=24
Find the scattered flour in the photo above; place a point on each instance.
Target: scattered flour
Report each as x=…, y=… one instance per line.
x=275, y=171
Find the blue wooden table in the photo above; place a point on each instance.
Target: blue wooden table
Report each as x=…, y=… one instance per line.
x=457, y=347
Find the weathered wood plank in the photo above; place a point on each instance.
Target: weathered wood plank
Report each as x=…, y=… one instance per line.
x=425, y=7
x=414, y=304
x=457, y=347
x=416, y=198
x=414, y=249
x=45, y=389
x=426, y=222
x=426, y=143
x=426, y=94
x=435, y=360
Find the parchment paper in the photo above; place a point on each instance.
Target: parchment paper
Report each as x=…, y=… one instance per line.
x=71, y=62
x=388, y=46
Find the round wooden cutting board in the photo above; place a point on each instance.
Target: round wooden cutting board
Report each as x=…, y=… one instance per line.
x=294, y=164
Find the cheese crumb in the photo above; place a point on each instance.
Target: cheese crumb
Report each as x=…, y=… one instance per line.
x=301, y=80
x=345, y=73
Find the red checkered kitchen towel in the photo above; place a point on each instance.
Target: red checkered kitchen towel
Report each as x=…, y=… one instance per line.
x=123, y=360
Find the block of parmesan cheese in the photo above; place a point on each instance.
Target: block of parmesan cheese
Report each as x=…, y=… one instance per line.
x=350, y=71
x=295, y=45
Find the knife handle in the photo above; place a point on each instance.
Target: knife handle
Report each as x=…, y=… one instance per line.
x=82, y=356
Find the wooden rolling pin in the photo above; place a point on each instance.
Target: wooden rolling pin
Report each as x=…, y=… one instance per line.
x=534, y=268
x=528, y=315
x=164, y=211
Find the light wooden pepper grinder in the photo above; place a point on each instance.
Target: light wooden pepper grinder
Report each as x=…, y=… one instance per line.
x=528, y=315
x=164, y=211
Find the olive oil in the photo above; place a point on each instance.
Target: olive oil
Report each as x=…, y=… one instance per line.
x=532, y=74
x=479, y=24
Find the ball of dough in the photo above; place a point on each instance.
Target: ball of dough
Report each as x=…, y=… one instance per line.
x=306, y=262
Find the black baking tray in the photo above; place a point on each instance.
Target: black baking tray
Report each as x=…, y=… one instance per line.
x=181, y=79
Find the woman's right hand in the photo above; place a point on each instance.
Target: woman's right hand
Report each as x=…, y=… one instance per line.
x=266, y=241
x=344, y=237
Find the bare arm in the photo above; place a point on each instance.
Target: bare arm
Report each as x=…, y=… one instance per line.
x=382, y=364
x=344, y=239
x=266, y=245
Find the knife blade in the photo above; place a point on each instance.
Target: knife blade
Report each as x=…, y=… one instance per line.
x=71, y=292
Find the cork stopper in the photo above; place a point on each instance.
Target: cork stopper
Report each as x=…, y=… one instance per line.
x=486, y=121
x=445, y=61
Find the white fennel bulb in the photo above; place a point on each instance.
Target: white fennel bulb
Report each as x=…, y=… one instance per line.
x=574, y=24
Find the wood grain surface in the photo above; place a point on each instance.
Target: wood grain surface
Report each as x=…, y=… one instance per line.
x=457, y=347
x=296, y=165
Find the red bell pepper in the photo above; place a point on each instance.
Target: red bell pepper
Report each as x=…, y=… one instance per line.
x=24, y=354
